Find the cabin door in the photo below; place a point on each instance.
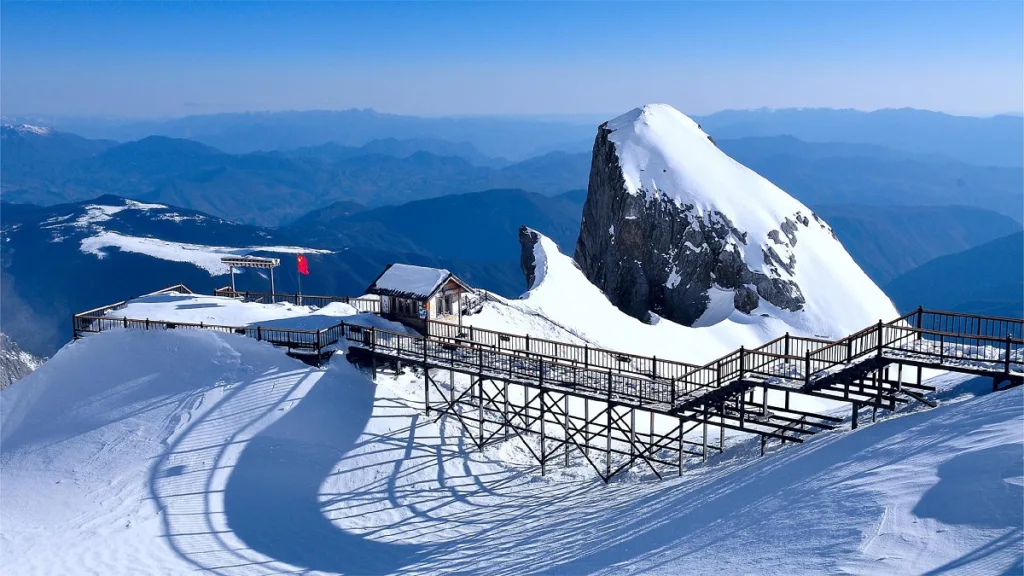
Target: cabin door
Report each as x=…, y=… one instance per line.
x=385, y=305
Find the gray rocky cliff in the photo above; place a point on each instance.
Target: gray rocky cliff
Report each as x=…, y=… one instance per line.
x=528, y=239
x=15, y=363
x=649, y=253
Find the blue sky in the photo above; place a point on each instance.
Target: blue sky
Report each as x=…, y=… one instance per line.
x=156, y=59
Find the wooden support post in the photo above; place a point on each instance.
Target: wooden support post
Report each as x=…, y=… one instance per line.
x=632, y=432
x=681, y=428
x=586, y=426
x=764, y=402
x=543, y=438
x=853, y=424
x=505, y=408
x=764, y=439
x=480, y=408
x=608, y=431
x=787, y=345
x=565, y=410
x=721, y=430
x=704, y=444
x=373, y=352
x=426, y=388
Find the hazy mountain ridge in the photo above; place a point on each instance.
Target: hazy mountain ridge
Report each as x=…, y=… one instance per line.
x=271, y=187
x=986, y=279
x=997, y=140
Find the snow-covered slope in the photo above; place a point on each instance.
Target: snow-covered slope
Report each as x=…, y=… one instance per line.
x=675, y=226
x=564, y=305
x=205, y=451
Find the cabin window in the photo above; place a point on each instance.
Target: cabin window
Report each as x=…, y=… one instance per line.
x=406, y=307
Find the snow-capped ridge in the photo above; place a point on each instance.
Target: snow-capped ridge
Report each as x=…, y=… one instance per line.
x=30, y=129
x=675, y=227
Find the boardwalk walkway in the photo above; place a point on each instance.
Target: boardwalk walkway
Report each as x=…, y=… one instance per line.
x=748, y=390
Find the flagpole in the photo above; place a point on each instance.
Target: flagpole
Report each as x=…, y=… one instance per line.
x=299, y=274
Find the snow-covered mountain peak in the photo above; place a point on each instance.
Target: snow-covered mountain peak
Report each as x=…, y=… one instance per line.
x=661, y=151
x=675, y=227
x=31, y=129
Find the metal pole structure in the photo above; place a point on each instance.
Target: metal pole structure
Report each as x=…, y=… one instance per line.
x=273, y=296
x=232, y=268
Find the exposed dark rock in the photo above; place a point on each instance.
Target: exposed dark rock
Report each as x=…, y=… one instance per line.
x=649, y=253
x=745, y=299
x=528, y=238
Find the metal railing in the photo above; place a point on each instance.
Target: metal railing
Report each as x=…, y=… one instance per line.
x=361, y=304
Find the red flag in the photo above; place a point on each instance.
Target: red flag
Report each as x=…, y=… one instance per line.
x=303, y=264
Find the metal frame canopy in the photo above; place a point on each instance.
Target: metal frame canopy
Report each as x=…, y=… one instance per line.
x=251, y=262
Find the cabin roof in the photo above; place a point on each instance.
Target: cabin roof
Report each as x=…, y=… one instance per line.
x=414, y=282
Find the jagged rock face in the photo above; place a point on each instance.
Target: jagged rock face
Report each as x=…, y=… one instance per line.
x=15, y=363
x=650, y=252
x=528, y=239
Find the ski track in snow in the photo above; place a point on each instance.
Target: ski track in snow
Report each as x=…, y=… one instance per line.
x=206, y=451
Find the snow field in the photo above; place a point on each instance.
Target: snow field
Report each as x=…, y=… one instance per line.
x=200, y=450
x=202, y=256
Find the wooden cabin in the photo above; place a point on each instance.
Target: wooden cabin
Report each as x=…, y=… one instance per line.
x=414, y=294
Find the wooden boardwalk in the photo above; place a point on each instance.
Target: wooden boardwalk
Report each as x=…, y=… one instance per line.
x=615, y=409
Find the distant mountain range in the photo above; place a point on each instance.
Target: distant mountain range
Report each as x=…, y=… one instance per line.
x=265, y=188
x=274, y=188
x=995, y=141
x=986, y=279
x=992, y=141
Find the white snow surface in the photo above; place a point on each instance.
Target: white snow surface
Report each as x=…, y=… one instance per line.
x=415, y=280
x=199, y=451
x=662, y=151
x=202, y=256
x=562, y=301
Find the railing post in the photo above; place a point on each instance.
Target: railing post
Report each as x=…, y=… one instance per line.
x=147, y=323
x=373, y=352
x=942, y=347
x=807, y=368
x=742, y=356
x=259, y=331
x=920, y=315
x=880, y=339
x=527, y=342
x=1008, y=342
x=787, y=344
x=654, y=366
x=586, y=356
x=849, y=349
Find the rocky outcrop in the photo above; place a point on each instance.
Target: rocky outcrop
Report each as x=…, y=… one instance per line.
x=15, y=363
x=528, y=239
x=651, y=253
